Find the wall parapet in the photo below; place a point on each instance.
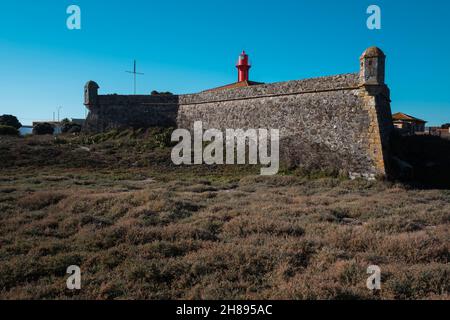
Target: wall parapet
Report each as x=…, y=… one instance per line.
x=333, y=83
x=113, y=99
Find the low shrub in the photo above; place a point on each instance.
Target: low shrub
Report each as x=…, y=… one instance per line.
x=43, y=128
x=70, y=127
x=8, y=130
x=9, y=120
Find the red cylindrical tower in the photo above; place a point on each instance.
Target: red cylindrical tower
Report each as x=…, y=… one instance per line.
x=243, y=67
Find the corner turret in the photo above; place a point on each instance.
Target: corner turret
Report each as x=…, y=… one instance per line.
x=90, y=93
x=372, y=67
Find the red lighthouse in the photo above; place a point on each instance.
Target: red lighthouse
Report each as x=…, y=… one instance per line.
x=243, y=67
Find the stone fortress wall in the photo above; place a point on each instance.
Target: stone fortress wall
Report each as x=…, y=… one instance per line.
x=342, y=122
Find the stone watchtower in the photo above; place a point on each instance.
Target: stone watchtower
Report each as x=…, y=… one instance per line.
x=376, y=95
x=91, y=94
x=372, y=68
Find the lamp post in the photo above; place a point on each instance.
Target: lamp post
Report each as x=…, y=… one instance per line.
x=59, y=108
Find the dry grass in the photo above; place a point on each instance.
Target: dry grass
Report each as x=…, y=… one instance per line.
x=157, y=232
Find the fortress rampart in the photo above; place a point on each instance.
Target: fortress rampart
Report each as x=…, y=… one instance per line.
x=341, y=122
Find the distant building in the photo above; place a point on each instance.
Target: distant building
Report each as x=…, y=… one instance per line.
x=438, y=131
x=407, y=124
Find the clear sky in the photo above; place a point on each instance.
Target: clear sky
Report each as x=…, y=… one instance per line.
x=189, y=46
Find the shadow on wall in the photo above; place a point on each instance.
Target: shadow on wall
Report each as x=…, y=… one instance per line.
x=124, y=112
x=421, y=161
x=306, y=156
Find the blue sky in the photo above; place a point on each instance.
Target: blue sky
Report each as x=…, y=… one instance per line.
x=189, y=46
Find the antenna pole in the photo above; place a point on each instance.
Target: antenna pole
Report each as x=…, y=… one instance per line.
x=135, y=73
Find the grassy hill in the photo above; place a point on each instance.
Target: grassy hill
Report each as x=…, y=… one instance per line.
x=139, y=227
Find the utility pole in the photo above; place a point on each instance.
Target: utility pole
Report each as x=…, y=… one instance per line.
x=59, y=108
x=135, y=73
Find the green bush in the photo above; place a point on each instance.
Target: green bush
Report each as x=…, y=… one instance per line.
x=70, y=127
x=8, y=130
x=163, y=139
x=43, y=128
x=157, y=93
x=75, y=128
x=9, y=120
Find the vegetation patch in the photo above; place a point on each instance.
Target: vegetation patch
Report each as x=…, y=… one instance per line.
x=141, y=228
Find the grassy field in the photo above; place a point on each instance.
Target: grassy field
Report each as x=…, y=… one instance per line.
x=141, y=228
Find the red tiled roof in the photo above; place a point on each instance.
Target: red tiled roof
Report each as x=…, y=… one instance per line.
x=405, y=117
x=241, y=84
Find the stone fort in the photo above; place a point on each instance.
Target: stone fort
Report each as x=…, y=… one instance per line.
x=340, y=122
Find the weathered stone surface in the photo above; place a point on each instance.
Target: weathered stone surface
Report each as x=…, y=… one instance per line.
x=118, y=112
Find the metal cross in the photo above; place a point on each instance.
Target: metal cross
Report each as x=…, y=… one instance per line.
x=135, y=73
